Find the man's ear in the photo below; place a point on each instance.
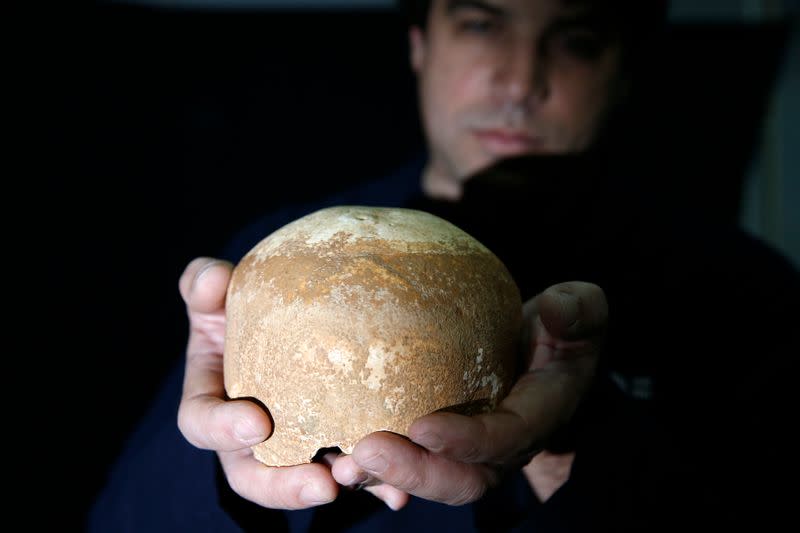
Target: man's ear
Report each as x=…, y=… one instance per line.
x=416, y=43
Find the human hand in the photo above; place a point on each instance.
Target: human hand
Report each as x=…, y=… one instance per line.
x=208, y=420
x=454, y=458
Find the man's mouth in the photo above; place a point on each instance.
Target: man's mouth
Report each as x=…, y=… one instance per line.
x=503, y=142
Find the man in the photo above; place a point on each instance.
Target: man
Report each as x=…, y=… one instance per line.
x=497, y=79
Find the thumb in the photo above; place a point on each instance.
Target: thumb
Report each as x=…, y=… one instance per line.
x=204, y=284
x=573, y=310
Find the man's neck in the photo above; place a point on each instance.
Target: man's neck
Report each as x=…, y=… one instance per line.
x=439, y=185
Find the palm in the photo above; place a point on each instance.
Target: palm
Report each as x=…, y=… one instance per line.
x=457, y=458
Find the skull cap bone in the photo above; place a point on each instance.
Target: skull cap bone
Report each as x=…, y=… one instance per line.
x=357, y=319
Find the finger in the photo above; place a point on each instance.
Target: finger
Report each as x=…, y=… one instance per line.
x=394, y=498
x=564, y=351
x=571, y=311
x=204, y=286
x=547, y=472
x=347, y=473
x=204, y=283
x=293, y=487
x=395, y=461
x=540, y=401
x=204, y=418
x=211, y=423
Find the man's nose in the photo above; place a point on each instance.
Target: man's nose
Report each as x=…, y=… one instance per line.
x=520, y=76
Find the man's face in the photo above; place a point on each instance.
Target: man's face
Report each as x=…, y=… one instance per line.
x=500, y=78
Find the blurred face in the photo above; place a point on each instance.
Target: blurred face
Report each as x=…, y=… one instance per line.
x=501, y=78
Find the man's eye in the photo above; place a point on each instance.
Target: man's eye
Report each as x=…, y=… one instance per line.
x=478, y=26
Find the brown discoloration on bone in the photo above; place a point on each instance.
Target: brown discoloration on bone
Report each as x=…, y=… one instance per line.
x=341, y=333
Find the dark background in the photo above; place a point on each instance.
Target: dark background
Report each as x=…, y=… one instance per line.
x=159, y=133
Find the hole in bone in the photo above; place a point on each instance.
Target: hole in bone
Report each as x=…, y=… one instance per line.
x=319, y=457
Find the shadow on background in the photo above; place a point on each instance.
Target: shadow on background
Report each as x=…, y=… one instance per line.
x=700, y=115
x=166, y=131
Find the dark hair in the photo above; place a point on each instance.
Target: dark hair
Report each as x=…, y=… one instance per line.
x=638, y=19
x=416, y=11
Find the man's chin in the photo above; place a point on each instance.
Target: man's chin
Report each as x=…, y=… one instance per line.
x=488, y=160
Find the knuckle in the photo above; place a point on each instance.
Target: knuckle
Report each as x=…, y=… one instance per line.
x=481, y=445
x=471, y=453
x=220, y=433
x=475, y=485
x=201, y=426
x=413, y=480
x=282, y=492
x=218, y=439
x=468, y=493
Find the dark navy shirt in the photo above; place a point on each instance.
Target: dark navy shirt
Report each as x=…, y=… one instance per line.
x=689, y=305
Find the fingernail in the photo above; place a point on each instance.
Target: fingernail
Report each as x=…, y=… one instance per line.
x=313, y=494
x=431, y=441
x=569, y=306
x=247, y=433
x=375, y=464
x=567, y=297
x=208, y=266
